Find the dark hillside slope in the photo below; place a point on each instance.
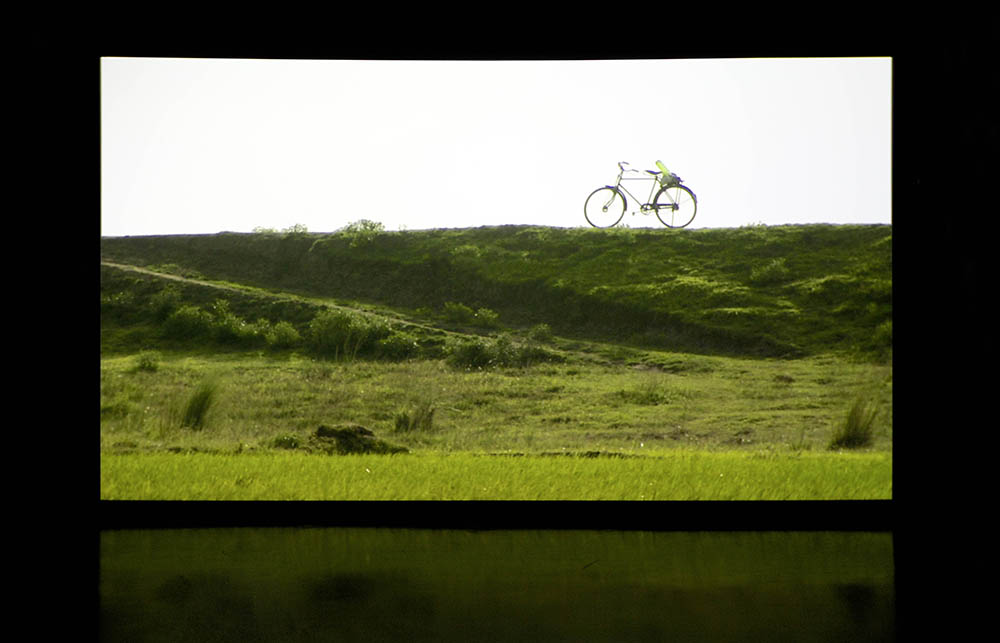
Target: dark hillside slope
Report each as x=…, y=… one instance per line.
x=757, y=291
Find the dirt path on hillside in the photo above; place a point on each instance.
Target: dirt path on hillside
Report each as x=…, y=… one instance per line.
x=166, y=275
x=263, y=293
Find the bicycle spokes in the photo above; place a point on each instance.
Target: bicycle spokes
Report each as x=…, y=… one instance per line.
x=604, y=207
x=676, y=206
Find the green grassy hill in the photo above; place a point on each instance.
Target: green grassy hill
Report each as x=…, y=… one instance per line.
x=785, y=291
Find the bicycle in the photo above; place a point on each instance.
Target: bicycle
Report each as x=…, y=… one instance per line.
x=674, y=204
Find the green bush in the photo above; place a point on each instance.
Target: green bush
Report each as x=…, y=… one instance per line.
x=458, y=313
x=164, y=303
x=188, y=322
x=345, y=334
x=282, y=335
x=121, y=305
x=362, y=232
x=501, y=351
x=528, y=355
x=540, y=333
x=147, y=361
x=486, y=318
x=397, y=346
x=228, y=328
x=470, y=354
x=462, y=314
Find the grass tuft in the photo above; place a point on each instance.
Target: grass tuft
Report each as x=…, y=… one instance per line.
x=147, y=361
x=421, y=419
x=198, y=405
x=858, y=428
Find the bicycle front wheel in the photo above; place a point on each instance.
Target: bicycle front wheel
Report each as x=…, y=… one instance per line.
x=675, y=206
x=604, y=207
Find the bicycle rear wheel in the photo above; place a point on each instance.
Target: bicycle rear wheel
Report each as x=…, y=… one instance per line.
x=604, y=207
x=675, y=206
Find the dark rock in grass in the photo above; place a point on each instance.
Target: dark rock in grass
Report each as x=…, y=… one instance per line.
x=343, y=430
x=350, y=438
x=589, y=454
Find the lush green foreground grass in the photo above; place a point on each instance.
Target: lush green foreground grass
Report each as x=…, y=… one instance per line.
x=681, y=475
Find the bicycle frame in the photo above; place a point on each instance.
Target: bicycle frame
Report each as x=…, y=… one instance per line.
x=646, y=207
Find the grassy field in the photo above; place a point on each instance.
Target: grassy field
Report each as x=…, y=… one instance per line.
x=669, y=475
x=733, y=377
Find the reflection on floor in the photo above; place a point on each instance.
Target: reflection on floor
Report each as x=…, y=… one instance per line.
x=447, y=585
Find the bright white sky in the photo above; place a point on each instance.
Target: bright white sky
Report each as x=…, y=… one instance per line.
x=193, y=146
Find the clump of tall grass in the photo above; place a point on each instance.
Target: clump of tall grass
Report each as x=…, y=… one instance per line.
x=649, y=393
x=147, y=361
x=420, y=419
x=286, y=441
x=773, y=272
x=858, y=427
x=501, y=351
x=198, y=405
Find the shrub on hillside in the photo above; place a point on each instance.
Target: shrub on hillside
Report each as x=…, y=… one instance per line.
x=282, y=335
x=540, y=333
x=147, y=361
x=462, y=314
x=164, y=303
x=486, y=318
x=362, y=232
x=458, y=313
x=341, y=334
x=397, y=346
x=228, y=328
x=501, y=351
x=471, y=354
x=121, y=306
x=188, y=322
